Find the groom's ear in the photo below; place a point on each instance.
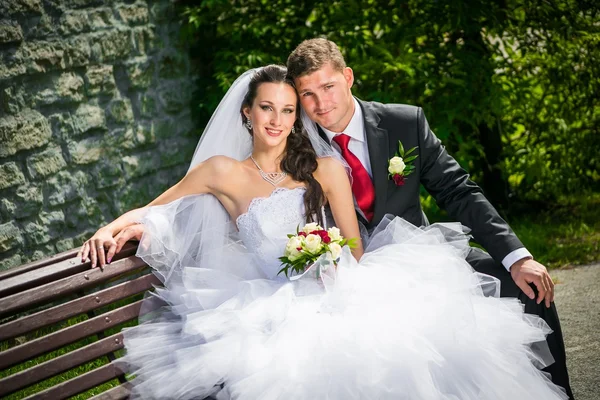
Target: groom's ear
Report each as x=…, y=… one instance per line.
x=348, y=76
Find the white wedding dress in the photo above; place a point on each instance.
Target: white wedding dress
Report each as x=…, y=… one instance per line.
x=410, y=321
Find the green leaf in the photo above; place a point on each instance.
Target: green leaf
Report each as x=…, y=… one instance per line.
x=411, y=150
x=285, y=270
x=409, y=159
x=401, y=149
x=352, y=243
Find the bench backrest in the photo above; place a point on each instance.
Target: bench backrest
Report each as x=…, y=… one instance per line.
x=60, y=325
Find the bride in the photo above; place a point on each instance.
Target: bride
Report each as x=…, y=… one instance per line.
x=371, y=328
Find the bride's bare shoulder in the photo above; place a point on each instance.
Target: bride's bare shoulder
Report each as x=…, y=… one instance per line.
x=329, y=165
x=218, y=174
x=217, y=165
x=330, y=173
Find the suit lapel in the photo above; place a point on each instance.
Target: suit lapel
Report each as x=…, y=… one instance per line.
x=377, y=141
x=322, y=134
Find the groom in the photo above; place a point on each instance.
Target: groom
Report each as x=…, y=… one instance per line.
x=367, y=134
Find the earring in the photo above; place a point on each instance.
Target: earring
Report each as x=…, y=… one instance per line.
x=248, y=124
x=293, y=129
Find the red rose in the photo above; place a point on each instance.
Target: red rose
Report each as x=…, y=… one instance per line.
x=322, y=233
x=326, y=239
x=398, y=179
x=302, y=234
x=299, y=248
x=314, y=233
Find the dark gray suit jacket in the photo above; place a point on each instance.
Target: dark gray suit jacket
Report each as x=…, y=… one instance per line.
x=440, y=174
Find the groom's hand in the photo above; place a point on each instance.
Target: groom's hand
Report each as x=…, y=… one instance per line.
x=528, y=271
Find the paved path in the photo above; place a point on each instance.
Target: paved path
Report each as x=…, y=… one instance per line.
x=578, y=303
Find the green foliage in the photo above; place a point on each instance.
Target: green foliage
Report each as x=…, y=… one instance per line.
x=552, y=116
x=510, y=87
x=564, y=236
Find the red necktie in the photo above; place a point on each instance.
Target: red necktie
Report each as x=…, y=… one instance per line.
x=362, y=186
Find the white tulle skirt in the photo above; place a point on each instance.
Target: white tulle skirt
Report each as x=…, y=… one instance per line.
x=411, y=320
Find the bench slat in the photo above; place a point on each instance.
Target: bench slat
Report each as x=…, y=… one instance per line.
x=117, y=393
x=65, y=286
x=68, y=335
x=77, y=306
x=60, y=364
x=41, y=276
x=50, y=271
x=79, y=384
x=21, y=269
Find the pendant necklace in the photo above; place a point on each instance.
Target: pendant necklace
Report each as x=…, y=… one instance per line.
x=274, y=178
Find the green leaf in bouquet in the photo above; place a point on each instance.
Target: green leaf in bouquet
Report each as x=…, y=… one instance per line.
x=409, y=159
x=352, y=243
x=284, y=270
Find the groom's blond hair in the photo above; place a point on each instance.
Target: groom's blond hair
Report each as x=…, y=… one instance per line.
x=311, y=55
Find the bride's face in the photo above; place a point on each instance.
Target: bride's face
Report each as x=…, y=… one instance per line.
x=273, y=113
x=326, y=97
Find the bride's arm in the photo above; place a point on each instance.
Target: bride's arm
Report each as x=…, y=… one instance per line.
x=335, y=183
x=203, y=178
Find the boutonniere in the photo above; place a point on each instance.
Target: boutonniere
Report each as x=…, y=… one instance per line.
x=400, y=166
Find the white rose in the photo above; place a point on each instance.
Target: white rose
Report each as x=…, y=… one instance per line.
x=396, y=166
x=334, y=234
x=292, y=246
x=335, y=250
x=313, y=243
x=294, y=255
x=313, y=226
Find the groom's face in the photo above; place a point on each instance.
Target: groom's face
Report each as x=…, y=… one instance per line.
x=326, y=97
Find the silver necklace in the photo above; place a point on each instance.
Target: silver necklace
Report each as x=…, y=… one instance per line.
x=274, y=178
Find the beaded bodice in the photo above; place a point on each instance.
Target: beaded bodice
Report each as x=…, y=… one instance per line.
x=268, y=221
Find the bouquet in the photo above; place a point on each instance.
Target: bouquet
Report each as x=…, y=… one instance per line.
x=310, y=243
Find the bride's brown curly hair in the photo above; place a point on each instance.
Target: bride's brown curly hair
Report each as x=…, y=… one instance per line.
x=299, y=159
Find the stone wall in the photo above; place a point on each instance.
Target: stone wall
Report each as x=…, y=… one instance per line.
x=94, y=117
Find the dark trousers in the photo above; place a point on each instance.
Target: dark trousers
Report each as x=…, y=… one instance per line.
x=482, y=262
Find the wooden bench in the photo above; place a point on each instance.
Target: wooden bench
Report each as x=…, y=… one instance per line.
x=59, y=315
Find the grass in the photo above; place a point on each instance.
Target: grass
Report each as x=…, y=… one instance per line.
x=560, y=236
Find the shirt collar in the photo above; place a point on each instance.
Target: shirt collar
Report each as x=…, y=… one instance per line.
x=356, y=127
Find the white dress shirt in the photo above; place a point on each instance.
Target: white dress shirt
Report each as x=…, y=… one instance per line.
x=358, y=146
x=358, y=138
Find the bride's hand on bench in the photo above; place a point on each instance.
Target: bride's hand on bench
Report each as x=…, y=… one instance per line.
x=102, y=247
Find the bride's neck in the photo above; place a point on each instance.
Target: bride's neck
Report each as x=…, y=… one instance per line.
x=270, y=160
